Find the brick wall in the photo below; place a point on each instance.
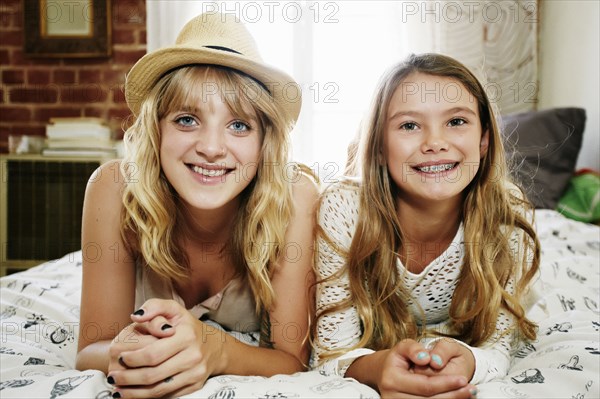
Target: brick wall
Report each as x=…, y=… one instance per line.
x=36, y=89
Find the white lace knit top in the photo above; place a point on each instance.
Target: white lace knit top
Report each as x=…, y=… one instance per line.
x=432, y=289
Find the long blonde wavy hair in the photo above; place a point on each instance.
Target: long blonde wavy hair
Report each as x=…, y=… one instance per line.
x=375, y=283
x=152, y=209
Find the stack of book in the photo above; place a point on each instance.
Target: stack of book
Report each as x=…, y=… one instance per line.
x=79, y=137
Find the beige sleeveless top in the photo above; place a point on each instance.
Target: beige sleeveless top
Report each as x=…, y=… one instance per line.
x=233, y=308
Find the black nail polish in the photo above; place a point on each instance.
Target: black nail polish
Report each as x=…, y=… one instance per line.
x=110, y=380
x=139, y=312
x=116, y=395
x=166, y=327
x=122, y=362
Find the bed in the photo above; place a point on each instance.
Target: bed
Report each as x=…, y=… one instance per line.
x=39, y=312
x=40, y=308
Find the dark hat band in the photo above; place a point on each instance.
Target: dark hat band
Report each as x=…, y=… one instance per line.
x=223, y=49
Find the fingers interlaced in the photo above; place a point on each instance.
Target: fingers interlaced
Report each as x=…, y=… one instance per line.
x=174, y=377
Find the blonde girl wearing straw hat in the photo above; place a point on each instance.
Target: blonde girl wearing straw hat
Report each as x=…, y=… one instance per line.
x=425, y=260
x=203, y=228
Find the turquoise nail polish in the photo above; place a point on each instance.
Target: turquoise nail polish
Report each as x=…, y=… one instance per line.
x=421, y=355
x=436, y=359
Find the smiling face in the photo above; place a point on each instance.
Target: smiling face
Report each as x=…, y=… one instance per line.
x=433, y=139
x=209, y=152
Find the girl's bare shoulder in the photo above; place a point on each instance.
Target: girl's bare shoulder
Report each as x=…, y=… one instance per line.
x=105, y=186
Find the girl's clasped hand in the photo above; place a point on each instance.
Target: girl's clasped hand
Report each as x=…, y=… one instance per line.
x=165, y=350
x=411, y=368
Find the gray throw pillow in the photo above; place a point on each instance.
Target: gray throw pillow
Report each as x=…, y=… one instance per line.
x=542, y=148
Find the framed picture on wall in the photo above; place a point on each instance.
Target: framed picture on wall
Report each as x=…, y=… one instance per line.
x=67, y=28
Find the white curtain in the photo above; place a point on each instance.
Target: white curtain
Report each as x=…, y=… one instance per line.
x=337, y=50
x=497, y=40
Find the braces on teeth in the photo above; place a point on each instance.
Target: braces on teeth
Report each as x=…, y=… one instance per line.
x=436, y=168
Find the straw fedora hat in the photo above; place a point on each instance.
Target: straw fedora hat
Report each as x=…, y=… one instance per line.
x=216, y=39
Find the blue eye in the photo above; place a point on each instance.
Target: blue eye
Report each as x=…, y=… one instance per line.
x=185, y=121
x=239, y=126
x=457, y=122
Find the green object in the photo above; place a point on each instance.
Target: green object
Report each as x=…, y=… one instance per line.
x=581, y=200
